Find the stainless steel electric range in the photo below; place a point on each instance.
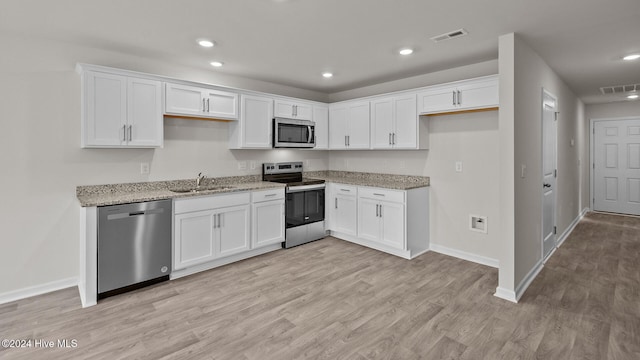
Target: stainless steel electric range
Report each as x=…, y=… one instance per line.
x=304, y=207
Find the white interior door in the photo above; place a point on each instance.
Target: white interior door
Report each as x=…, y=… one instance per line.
x=616, y=166
x=549, y=172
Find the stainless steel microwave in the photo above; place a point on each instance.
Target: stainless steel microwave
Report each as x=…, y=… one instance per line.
x=291, y=133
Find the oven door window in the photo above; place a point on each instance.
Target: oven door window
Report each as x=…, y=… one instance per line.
x=304, y=207
x=296, y=134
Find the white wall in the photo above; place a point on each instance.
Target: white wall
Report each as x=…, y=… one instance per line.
x=471, y=138
x=530, y=74
x=42, y=161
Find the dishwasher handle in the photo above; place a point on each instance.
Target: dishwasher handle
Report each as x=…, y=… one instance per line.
x=124, y=215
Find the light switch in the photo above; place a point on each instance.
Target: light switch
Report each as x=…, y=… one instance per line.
x=242, y=165
x=252, y=164
x=458, y=166
x=144, y=168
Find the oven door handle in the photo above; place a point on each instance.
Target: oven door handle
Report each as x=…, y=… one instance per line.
x=295, y=189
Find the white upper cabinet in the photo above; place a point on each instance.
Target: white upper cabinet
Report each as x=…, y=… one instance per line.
x=321, y=118
x=349, y=125
x=474, y=94
x=121, y=111
x=254, y=130
x=293, y=109
x=183, y=100
x=395, y=124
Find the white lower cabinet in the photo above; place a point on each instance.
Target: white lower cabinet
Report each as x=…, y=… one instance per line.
x=341, y=206
x=381, y=221
x=393, y=221
x=214, y=230
x=267, y=217
x=210, y=227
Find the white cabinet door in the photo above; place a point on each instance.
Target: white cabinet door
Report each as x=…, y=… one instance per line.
x=368, y=219
x=478, y=94
x=393, y=221
x=382, y=123
x=184, y=100
x=438, y=99
x=105, y=122
x=267, y=223
x=232, y=228
x=345, y=214
x=221, y=104
x=358, y=120
x=193, y=239
x=321, y=118
x=144, y=113
x=338, y=127
x=405, y=114
x=256, y=121
x=293, y=109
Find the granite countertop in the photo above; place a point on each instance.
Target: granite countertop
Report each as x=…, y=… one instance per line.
x=114, y=194
x=387, y=181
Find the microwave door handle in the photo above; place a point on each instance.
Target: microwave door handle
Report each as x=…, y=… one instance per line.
x=310, y=137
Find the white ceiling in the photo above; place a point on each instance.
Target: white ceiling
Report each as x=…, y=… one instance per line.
x=292, y=42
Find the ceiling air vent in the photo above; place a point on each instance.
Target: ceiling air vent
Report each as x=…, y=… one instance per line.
x=619, y=89
x=450, y=35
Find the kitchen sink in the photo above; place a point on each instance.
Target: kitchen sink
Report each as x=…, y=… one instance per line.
x=202, y=188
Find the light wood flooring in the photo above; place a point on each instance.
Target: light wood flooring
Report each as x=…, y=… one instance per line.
x=335, y=300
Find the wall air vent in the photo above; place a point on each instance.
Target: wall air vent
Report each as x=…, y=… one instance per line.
x=619, y=89
x=450, y=35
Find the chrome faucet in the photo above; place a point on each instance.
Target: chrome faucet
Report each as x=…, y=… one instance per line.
x=199, y=179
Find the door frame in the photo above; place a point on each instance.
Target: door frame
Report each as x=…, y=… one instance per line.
x=546, y=92
x=592, y=149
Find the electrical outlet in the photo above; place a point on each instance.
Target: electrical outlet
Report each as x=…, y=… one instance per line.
x=252, y=164
x=523, y=171
x=242, y=165
x=144, y=168
x=458, y=166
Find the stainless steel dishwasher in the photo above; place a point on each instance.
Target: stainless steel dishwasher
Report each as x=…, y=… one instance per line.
x=134, y=246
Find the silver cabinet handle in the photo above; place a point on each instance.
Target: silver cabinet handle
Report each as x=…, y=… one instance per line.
x=348, y=140
x=380, y=210
x=270, y=195
x=377, y=210
x=390, y=139
x=203, y=106
x=394, y=138
x=124, y=132
x=336, y=205
x=378, y=194
x=221, y=219
x=454, y=97
x=215, y=221
x=130, y=132
x=345, y=140
x=208, y=105
x=347, y=190
x=459, y=98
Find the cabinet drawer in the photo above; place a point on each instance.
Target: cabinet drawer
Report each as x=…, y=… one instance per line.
x=345, y=189
x=266, y=195
x=210, y=202
x=381, y=194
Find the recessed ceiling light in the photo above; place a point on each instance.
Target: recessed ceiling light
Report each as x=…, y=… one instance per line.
x=632, y=96
x=631, y=57
x=406, y=51
x=205, y=43
x=327, y=75
x=216, y=63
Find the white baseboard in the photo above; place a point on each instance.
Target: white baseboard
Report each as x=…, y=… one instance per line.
x=505, y=294
x=524, y=284
x=482, y=260
x=38, y=290
x=572, y=226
